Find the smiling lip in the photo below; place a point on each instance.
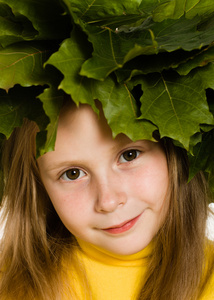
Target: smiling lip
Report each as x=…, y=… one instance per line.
x=120, y=228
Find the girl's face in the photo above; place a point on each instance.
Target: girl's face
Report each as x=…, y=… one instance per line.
x=108, y=192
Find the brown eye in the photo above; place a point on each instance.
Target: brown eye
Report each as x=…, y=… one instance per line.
x=72, y=174
x=129, y=155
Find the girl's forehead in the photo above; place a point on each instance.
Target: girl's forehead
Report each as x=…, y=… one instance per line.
x=82, y=125
x=72, y=114
x=82, y=120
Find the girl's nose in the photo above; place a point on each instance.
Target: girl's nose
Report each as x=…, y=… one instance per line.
x=110, y=195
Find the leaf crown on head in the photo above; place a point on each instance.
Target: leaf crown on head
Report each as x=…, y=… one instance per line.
x=149, y=62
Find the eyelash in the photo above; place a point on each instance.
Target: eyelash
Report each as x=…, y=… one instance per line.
x=77, y=173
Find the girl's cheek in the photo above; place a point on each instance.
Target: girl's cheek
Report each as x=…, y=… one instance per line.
x=70, y=200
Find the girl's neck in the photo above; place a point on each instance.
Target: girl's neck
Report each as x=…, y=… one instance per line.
x=102, y=255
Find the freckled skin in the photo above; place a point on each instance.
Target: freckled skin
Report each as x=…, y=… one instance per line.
x=109, y=189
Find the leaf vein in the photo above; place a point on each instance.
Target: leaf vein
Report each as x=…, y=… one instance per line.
x=149, y=107
x=130, y=98
x=87, y=9
x=170, y=98
x=112, y=50
x=27, y=55
x=190, y=104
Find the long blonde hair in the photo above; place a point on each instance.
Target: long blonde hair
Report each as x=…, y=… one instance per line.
x=35, y=240
x=34, y=237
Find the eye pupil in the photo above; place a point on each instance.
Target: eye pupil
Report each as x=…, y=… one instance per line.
x=73, y=174
x=130, y=155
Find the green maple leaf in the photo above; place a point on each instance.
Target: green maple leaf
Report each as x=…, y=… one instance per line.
x=203, y=155
x=112, y=49
x=22, y=63
x=46, y=17
x=202, y=158
x=113, y=96
x=206, y=74
x=176, y=8
x=142, y=65
x=13, y=28
x=105, y=11
x=199, y=59
x=177, y=105
x=52, y=100
x=121, y=110
x=20, y=103
x=71, y=55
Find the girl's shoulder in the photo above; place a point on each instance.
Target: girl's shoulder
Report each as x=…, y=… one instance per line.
x=208, y=292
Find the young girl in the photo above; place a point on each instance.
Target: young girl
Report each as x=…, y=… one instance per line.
x=102, y=218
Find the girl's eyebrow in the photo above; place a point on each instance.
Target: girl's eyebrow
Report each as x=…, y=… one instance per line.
x=61, y=164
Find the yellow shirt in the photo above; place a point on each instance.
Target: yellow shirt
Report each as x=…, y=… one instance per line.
x=111, y=276
x=208, y=293
x=117, y=277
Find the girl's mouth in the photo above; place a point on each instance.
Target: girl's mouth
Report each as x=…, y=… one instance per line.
x=120, y=228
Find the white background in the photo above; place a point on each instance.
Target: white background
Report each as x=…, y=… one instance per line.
x=210, y=224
